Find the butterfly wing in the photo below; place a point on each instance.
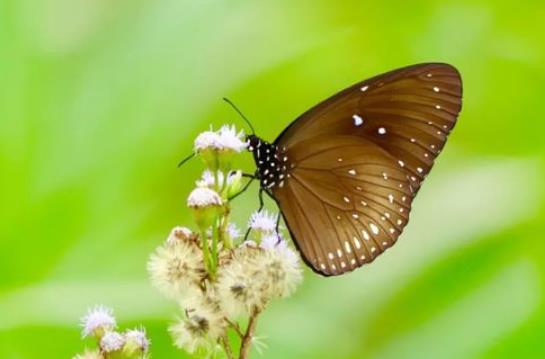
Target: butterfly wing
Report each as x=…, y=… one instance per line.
x=357, y=160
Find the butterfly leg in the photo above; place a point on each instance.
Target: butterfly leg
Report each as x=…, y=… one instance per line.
x=252, y=178
x=278, y=228
x=261, y=205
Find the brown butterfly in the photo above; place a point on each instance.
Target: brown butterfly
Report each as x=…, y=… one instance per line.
x=344, y=174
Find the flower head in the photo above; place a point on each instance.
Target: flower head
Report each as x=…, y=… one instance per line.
x=136, y=341
x=262, y=222
x=111, y=342
x=177, y=270
x=203, y=324
x=208, y=180
x=208, y=140
x=255, y=275
x=203, y=197
x=89, y=354
x=233, y=231
x=97, y=321
x=231, y=140
x=179, y=234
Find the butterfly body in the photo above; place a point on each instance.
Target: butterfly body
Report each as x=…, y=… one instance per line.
x=272, y=163
x=345, y=173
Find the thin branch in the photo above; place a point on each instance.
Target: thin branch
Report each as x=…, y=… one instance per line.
x=235, y=327
x=247, y=339
x=227, y=346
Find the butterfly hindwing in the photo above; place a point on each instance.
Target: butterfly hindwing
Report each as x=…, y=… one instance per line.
x=344, y=208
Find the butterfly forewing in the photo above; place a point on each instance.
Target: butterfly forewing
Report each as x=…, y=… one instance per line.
x=357, y=160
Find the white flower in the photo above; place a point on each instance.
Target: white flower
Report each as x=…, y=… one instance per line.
x=208, y=180
x=177, y=270
x=98, y=320
x=111, y=342
x=256, y=275
x=89, y=354
x=208, y=140
x=233, y=231
x=203, y=325
x=203, y=197
x=231, y=140
x=177, y=234
x=136, y=340
x=262, y=222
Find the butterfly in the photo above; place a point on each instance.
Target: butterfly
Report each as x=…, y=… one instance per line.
x=345, y=173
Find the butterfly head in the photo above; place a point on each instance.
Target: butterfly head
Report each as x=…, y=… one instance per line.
x=254, y=142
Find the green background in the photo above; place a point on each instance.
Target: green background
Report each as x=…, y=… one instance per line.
x=100, y=99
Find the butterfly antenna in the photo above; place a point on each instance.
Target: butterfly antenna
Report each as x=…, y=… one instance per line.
x=240, y=113
x=182, y=162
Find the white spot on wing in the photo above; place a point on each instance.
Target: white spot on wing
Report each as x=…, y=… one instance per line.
x=358, y=121
x=374, y=228
x=364, y=88
x=381, y=130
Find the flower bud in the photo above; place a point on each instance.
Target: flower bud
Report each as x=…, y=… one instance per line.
x=136, y=343
x=234, y=184
x=207, y=145
x=206, y=205
x=179, y=234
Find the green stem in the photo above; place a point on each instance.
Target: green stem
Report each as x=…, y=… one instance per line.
x=215, y=245
x=205, y=251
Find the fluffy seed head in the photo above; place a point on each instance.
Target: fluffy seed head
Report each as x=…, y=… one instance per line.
x=97, y=321
x=177, y=270
x=202, y=326
x=255, y=275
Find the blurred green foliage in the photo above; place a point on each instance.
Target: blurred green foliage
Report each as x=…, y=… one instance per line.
x=100, y=99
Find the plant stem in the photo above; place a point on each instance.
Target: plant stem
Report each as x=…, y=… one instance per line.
x=215, y=244
x=205, y=251
x=247, y=339
x=235, y=327
x=227, y=346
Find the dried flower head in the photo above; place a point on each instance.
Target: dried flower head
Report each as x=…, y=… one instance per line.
x=111, y=342
x=255, y=275
x=89, y=354
x=262, y=222
x=179, y=234
x=177, y=270
x=97, y=321
x=202, y=326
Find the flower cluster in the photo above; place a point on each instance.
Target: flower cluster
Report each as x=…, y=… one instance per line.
x=99, y=323
x=215, y=275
